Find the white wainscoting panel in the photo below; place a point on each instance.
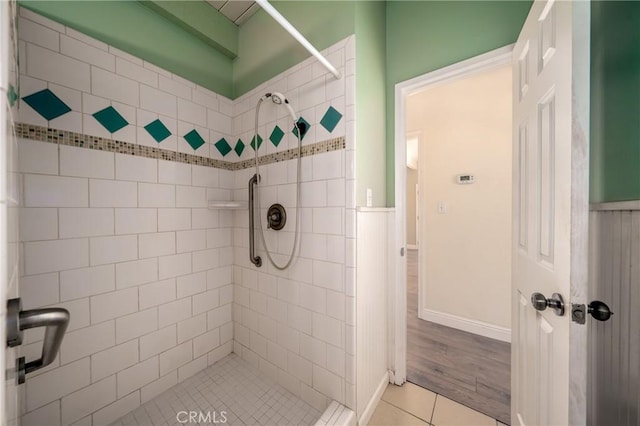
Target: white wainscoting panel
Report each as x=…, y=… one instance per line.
x=373, y=245
x=614, y=345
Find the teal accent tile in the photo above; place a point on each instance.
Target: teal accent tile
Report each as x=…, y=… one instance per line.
x=110, y=119
x=157, y=130
x=253, y=142
x=239, y=147
x=331, y=119
x=12, y=96
x=223, y=147
x=276, y=136
x=304, y=128
x=47, y=104
x=194, y=139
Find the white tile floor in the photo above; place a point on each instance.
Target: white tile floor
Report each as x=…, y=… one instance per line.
x=230, y=386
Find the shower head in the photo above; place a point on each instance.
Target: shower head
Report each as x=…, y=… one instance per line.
x=279, y=99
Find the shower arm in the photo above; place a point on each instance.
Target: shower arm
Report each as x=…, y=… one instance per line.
x=256, y=260
x=298, y=36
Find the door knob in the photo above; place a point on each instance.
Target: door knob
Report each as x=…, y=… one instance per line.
x=555, y=302
x=599, y=310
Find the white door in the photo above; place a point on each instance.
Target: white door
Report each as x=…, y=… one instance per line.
x=551, y=143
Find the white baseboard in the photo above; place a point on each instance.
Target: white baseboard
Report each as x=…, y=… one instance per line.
x=373, y=402
x=476, y=327
x=412, y=246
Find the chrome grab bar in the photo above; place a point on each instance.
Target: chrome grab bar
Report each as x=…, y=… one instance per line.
x=55, y=320
x=256, y=260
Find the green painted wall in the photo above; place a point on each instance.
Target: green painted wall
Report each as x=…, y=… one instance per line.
x=371, y=59
x=615, y=101
x=136, y=29
x=266, y=49
x=201, y=20
x=425, y=36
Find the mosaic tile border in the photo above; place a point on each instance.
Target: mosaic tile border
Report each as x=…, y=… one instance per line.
x=64, y=137
x=328, y=145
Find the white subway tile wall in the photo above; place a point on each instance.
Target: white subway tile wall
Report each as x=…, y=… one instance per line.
x=160, y=286
x=291, y=324
x=114, y=258
x=139, y=103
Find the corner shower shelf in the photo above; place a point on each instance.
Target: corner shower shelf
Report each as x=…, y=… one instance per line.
x=228, y=205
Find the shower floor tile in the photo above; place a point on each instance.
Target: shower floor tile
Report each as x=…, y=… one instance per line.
x=231, y=390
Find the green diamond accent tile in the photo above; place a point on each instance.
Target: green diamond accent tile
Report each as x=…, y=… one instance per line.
x=253, y=142
x=304, y=128
x=239, y=147
x=110, y=119
x=276, y=136
x=194, y=139
x=12, y=96
x=47, y=104
x=223, y=147
x=331, y=119
x=157, y=130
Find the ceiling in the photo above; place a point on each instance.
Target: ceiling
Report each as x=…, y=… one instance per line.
x=237, y=11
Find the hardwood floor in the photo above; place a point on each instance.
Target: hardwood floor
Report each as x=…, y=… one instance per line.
x=470, y=369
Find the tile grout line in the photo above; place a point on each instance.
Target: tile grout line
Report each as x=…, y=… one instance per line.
x=435, y=401
x=409, y=412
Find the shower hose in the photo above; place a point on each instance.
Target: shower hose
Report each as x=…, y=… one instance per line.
x=297, y=207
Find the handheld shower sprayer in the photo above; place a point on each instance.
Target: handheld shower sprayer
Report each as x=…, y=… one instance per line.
x=276, y=217
x=279, y=99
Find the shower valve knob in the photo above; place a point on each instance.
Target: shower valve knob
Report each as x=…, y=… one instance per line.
x=276, y=217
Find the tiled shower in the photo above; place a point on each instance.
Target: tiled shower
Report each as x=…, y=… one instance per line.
x=120, y=165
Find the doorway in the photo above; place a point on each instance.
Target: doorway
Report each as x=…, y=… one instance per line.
x=457, y=341
x=550, y=212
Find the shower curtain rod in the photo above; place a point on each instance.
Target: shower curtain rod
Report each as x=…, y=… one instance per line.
x=296, y=34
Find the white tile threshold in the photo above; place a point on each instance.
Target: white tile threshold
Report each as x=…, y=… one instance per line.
x=337, y=414
x=231, y=390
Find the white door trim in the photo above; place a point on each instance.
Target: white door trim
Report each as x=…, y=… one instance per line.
x=417, y=212
x=486, y=61
x=417, y=134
